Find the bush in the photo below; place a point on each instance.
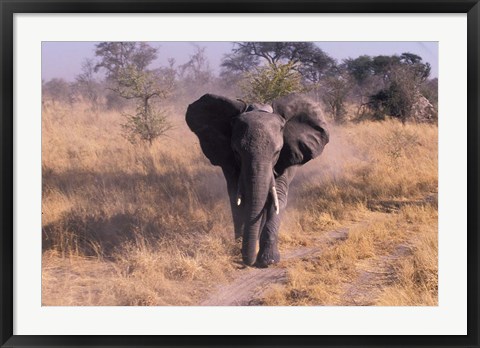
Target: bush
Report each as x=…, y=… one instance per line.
x=145, y=125
x=148, y=122
x=397, y=99
x=270, y=82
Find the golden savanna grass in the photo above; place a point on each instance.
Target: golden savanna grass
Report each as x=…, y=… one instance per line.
x=131, y=224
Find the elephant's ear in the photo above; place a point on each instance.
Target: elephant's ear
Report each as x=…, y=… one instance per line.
x=210, y=119
x=305, y=133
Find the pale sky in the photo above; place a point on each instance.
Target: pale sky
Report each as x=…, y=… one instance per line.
x=64, y=59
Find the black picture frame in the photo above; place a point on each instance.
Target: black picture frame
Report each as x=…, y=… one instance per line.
x=9, y=7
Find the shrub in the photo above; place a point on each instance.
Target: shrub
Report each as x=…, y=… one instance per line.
x=270, y=82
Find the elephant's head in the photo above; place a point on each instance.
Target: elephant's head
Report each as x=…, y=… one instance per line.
x=257, y=146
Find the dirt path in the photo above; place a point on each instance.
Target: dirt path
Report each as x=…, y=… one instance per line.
x=376, y=273
x=251, y=283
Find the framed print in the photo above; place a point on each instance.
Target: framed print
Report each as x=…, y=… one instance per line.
x=226, y=173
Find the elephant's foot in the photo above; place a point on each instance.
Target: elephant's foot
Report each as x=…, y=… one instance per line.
x=268, y=256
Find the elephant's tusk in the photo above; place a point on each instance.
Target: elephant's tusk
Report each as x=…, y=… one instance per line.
x=239, y=195
x=273, y=190
x=239, y=198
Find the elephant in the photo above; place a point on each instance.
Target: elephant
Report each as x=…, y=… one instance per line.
x=259, y=148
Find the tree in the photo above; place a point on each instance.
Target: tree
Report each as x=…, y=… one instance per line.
x=115, y=56
x=360, y=68
x=126, y=68
x=270, y=82
x=149, y=121
x=57, y=91
x=382, y=65
x=421, y=71
x=392, y=83
x=86, y=84
x=314, y=63
x=362, y=77
x=336, y=88
x=238, y=62
x=197, y=69
x=308, y=59
x=399, y=97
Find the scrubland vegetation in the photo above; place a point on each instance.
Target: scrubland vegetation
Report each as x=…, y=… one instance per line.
x=135, y=217
x=125, y=224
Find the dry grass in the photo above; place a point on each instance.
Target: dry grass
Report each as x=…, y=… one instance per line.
x=139, y=225
x=416, y=275
x=150, y=218
x=391, y=261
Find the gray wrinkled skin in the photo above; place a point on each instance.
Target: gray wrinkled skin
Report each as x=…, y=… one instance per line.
x=260, y=107
x=258, y=147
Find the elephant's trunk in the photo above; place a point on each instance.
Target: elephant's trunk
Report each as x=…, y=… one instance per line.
x=255, y=195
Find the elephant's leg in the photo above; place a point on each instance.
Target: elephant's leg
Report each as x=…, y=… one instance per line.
x=231, y=176
x=269, y=253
